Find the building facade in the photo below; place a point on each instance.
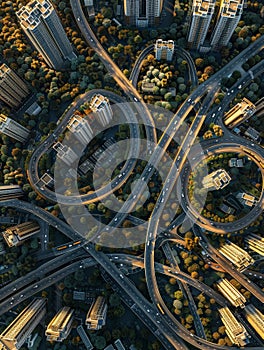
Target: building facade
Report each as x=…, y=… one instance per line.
x=13, y=129
x=15, y=335
x=255, y=243
x=13, y=90
x=202, y=12
x=164, y=49
x=42, y=25
x=227, y=21
x=143, y=13
x=101, y=106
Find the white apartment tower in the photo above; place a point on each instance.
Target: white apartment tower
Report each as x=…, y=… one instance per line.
x=12, y=129
x=228, y=18
x=164, y=49
x=96, y=315
x=101, y=106
x=10, y=191
x=13, y=90
x=42, y=25
x=202, y=12
x=65, y=153
x=15, y=335
x=143, y=13
x=81, y=129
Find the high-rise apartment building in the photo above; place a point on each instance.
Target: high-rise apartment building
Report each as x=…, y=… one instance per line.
x=238, y=256
x=202, y=12
x=10, y=191
x=255, y=318
x=227, y=20
x=60, y=326
x=143, y=13
x=15, y=335
x=101, y=106
x=15, y=235
x=81, y=129
x=216, y=180
x=255, y=243
x=42, y=25
x=65, y=153
x=231, y=293
x=164, y=49
x=96, y=315
x=13, y=90
x=235, y=330
x=13, y=129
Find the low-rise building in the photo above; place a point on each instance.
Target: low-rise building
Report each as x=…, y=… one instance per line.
x=239, y=113
x=15, y=235
x=236, y=163
x=10, y=191
x=60, y=326
x=246, y=199
x=252, y=133
x=235, y=330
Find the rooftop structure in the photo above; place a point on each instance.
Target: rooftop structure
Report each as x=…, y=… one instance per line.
x=60, y=326
x=42, y=25
x=13, y=90
x=235, y=330
x=231, y=293
x=216, y=180
x=239, y=113
x=202, y=12
x=15, y=335
x=255, y=318
x=119, y=345
x=81, y=129
x=164, y=49
x=96, y=315
x=255, y=243
x=143, y=13
x=10, y=191
x=15, y=235
x=65, y=153
x=227, y=21
x=101, y=106
x=33, y=109
x=13, y=129
x=238, y=256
